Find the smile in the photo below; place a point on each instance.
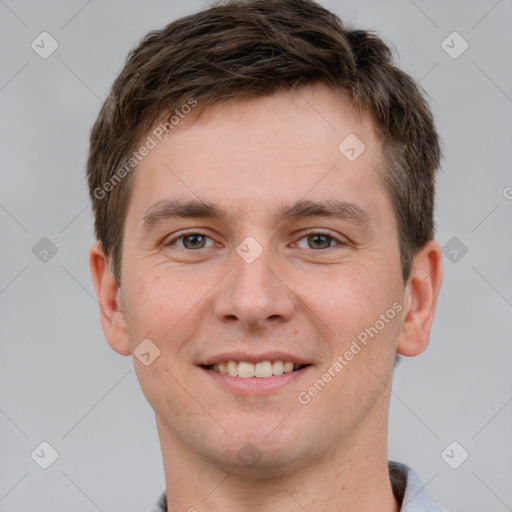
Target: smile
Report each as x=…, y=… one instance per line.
x=263, y=369
x=245, y=378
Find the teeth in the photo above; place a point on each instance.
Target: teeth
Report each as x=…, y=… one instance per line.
x=232, y=368
x=245, y=369
x=262, y=369
x=277, y=367
x=288, y=367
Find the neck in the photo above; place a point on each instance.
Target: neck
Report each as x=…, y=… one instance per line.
x=348, y=479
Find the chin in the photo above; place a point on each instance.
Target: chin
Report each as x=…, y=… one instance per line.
x=259, y=453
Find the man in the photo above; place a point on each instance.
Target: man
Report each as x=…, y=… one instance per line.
x=262, y=180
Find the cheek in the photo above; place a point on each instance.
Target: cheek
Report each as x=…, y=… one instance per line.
x=360, y=305
x=168, y=306
x=159, y=309
x=349, y=298
x=155, y=303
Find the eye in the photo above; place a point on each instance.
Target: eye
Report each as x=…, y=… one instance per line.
x=319, y=240
x=191, y=241
x=197, y=240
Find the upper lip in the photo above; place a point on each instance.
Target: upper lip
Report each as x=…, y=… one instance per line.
x=253, y=358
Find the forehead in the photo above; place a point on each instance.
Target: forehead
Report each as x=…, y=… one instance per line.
x=255, y=151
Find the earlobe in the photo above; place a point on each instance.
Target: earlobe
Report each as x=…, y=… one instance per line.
x=420, y=300
x=109, y=299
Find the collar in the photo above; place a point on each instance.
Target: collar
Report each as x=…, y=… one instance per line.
x=415, y=497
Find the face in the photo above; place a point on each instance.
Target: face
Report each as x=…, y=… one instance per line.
x=251, y=237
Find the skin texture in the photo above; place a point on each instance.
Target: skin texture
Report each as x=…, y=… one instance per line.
x=249, y=157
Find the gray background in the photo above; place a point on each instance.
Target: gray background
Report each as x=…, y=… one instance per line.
x=59, y=380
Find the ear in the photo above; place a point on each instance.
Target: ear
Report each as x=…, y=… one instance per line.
x=108, y=293
x=420, y=301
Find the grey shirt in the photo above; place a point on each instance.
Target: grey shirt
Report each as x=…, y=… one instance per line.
x=407, y=488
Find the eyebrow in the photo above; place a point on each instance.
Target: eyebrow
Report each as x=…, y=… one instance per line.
x=167, y=209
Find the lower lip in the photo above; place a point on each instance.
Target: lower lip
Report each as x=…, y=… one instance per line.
x=255, y=385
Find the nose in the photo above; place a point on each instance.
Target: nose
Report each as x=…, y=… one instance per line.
x=255, y=294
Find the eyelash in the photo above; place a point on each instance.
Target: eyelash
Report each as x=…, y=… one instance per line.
x=305, y=235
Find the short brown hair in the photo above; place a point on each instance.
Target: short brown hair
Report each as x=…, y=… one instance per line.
x=252, y=48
